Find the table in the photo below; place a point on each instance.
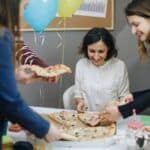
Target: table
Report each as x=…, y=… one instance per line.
x=116, y=142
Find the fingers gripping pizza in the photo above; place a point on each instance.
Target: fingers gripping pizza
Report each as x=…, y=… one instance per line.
x=94, y=119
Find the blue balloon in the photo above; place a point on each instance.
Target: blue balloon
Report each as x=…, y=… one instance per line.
x=39, y=13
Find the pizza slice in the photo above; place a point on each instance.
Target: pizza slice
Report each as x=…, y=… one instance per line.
x=89, y=118
x=68, y=137
x=65, y=118
x=48, y=72
x=94, y=119
x=117, y=103
x=60, y=69
x=124, y=100
x=91, y=133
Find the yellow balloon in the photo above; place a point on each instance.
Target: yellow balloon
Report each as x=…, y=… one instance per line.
x=67, y=7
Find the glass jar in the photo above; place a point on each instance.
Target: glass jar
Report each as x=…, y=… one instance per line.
x=134, y=129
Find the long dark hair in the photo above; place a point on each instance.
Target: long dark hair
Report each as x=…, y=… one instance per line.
x=9, y=17
x=96, y=34
x=140, y=8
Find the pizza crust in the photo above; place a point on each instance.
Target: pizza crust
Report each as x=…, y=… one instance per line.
x=68, y=137
x=117, y=103
x=48, y=72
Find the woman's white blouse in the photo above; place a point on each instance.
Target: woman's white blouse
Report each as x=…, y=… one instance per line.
x=100, y=85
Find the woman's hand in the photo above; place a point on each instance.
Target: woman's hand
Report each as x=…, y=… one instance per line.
x=23, y=76
x=80, y=105
x=112, y=113
x=53, y=134
x=26, y=77
x=128, y=98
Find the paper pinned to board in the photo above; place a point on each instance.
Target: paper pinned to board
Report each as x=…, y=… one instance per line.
x=93, y=8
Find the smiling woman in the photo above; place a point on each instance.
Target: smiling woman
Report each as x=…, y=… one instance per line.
x=100, y=77
x=138, y=16
x=97, y=53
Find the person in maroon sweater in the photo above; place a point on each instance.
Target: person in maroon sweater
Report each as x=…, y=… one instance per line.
x=24, y=55
x=138, y=16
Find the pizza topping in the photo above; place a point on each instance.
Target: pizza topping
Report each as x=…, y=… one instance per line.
x=70, y=123
x=48, y=72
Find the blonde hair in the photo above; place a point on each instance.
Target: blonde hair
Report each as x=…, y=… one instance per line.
x=142, y=51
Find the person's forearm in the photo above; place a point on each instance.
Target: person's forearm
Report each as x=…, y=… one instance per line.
x=20, y=113
x=25, y=56
x=140, y=103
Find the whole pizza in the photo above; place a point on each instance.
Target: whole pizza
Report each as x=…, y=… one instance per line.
x=82, y=126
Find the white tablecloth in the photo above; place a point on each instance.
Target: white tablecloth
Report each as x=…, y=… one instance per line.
x=116, y=142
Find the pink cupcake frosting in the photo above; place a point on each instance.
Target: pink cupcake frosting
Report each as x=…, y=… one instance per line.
x=135, y=125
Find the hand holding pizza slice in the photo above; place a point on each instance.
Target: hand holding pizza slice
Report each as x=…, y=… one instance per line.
x=49, y=72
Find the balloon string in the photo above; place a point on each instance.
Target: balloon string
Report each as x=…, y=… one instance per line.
x=39, y=40
x=63, y=48
x=42, y=37
x=42, y=97
x=59, y=35
x=35, y=38
x=61, y=44
x=134, y=114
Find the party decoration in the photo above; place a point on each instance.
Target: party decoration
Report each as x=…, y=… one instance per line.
x=67, y=7
x=39, y=13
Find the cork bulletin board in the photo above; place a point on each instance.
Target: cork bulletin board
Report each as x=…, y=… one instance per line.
x=77, y=22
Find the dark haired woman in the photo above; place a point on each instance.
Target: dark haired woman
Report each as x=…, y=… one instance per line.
x=100, y=76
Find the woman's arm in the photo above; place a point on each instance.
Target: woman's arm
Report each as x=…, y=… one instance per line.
x=78, y=92
x=140, y=103
x=12, y=105
x=24, y=55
